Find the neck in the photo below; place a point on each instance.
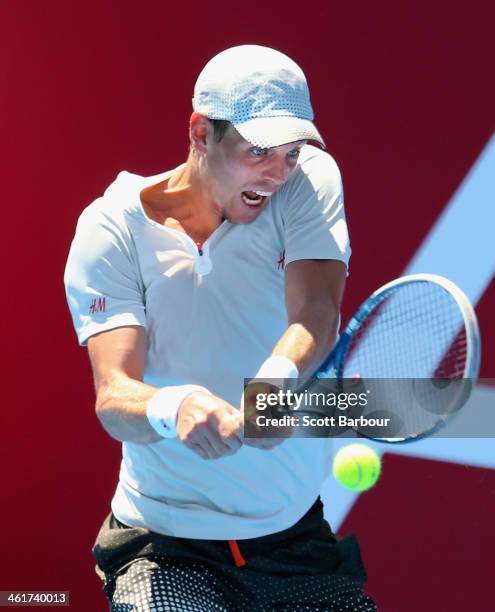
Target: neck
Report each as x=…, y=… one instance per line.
x=185, y=197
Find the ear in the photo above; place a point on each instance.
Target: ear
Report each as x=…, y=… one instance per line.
x=200, y=132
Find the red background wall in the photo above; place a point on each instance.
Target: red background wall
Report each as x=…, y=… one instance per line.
x=404, y=95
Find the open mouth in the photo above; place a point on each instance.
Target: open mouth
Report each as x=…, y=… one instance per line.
x=254, y=199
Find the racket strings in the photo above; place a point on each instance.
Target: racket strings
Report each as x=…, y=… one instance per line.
x=410, y=333
x=414, y=334
x=454, y=360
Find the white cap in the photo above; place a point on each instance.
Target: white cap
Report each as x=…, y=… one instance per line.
x=262, y=92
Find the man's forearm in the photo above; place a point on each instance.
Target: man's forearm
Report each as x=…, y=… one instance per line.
x=121, y=408
x=309, y=337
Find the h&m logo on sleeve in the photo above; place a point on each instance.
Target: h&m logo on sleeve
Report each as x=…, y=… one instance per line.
x=97, y=305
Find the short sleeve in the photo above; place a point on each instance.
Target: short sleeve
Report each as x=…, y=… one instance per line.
x=314, y=216
x=102, y=280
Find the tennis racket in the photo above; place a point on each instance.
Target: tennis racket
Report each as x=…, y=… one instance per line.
x=414, y=348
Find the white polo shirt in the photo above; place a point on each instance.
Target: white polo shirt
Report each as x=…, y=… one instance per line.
x=210, y=319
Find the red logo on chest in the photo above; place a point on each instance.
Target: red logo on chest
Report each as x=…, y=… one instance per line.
x=97, y=305
x=281, y=261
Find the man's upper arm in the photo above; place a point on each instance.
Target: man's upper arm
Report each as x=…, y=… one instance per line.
x=314, y=283
x=119, y=352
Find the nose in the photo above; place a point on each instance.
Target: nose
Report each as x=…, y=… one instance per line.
x=277, y=170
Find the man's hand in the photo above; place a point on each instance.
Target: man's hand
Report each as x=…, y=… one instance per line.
x=209, y=426
x=249, y=413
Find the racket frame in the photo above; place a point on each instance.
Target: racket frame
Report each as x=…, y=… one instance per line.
x=333, y=365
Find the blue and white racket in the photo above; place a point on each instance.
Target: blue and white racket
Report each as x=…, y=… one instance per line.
x=414, y=348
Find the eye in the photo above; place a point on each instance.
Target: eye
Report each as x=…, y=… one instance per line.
x=294, y=154
x=259, y=152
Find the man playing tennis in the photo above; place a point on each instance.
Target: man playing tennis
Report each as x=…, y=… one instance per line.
x=184, y=284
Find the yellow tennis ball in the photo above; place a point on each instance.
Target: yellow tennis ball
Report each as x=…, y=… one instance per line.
x=356, y=467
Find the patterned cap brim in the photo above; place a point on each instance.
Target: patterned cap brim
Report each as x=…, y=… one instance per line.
x=268, y=132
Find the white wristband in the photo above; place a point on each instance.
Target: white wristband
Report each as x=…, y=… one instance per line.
x=277, y=367
x=163, y=407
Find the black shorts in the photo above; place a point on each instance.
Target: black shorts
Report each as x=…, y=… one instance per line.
x=304, y=567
